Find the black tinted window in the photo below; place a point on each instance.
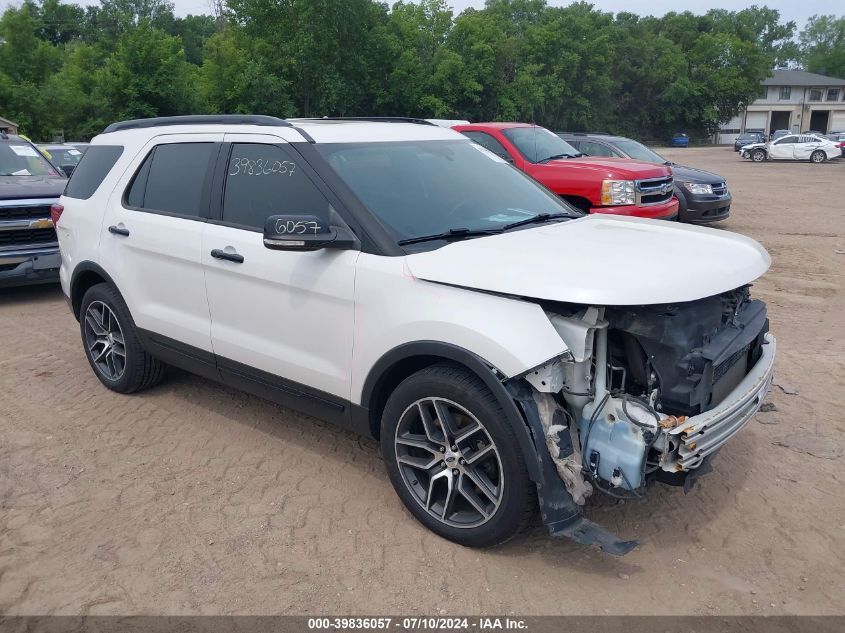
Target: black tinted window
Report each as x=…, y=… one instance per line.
x=92, y=169
x=172, y=179
x=264, y=180
x=485, y=140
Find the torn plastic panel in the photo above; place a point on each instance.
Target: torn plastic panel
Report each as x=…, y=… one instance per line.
x=560, y=513
x=613, y=412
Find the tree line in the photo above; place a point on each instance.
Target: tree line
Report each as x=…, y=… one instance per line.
x=71, y=70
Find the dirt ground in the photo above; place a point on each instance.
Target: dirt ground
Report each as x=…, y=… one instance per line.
x=192, y=498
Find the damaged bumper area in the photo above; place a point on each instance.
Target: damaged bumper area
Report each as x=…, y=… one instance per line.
x=643, y=394
x=699, y=436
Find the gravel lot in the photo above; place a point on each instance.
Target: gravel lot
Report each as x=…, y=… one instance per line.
x=192, y=498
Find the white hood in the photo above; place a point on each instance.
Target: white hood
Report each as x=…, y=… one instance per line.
x=599, y=260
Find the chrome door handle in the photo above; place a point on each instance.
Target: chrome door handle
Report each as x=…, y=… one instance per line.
x=229, y=257
x=119, y=230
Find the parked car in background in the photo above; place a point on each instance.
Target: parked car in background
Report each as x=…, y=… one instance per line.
x=680, y=140
x=407, y=284
x=839, y=139
x=747, y=138
x=816, y=149
x=29, y=185
x=65, y=157
x=702, y=196
x=594, y=185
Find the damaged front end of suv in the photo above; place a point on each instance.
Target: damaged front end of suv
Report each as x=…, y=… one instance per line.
x=643, y=394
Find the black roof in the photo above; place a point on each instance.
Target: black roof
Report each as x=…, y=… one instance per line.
x=199, y=119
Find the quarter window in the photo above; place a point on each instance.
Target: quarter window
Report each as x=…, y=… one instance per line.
x=92, y=169
x=172, y=179
x=264, y=180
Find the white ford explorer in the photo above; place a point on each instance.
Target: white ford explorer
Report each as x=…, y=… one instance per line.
x=399, y=280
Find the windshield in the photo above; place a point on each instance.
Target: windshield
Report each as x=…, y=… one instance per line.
x=422, y=188
x=19, y=158
x=638, y=151
x=538, y=144
x=63, y=155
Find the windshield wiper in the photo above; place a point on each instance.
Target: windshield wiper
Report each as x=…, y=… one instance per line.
x=537, y=219
x=451, y=234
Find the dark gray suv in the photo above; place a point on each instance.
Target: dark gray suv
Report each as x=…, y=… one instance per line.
x=703, y=196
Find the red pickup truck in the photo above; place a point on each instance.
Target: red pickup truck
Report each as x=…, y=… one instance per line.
x=593, y=184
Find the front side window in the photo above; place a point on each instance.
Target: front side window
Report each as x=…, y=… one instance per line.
x=19, y=158
x=537, y=144
x=171, y=179
x=786, y=140
x=785, y=93
x=264, y=180
x=422, y=188
x=485, y=140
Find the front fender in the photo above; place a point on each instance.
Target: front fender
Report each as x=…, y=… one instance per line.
x=393, y=308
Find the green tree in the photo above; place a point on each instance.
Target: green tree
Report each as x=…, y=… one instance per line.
x=147, y=75
x=823, y=45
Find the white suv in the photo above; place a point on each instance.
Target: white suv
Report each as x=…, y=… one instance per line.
x=398, y=279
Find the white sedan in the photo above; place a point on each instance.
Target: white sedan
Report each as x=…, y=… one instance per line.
x=810, y=147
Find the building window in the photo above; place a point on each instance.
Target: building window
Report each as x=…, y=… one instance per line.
x=785, y=93
x=764, y=93
x=815, y=94
x=833, y=94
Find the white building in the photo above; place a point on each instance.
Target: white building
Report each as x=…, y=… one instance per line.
x=793, y=100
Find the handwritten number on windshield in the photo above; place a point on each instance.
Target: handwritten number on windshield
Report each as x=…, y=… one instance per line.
x=261, y=167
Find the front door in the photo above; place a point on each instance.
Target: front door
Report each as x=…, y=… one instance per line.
x=281, y=321
x=783, y=148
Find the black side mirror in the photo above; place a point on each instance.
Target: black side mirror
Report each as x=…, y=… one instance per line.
x=305, y=233
x=68, y=169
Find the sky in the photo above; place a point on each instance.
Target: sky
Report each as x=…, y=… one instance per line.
x=789, y=9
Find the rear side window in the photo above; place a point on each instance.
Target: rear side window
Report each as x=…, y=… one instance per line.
x=172, y=179
x=264, y=180
x=92, y=169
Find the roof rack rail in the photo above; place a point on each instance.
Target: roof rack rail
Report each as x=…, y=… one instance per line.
x=374, y=119
x=199, y=119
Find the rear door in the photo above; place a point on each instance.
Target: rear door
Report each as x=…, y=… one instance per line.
x=805, y=146
x=152, y=241
x=282, y=321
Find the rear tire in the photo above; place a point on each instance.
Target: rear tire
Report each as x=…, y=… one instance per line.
x=111, y=343
x=818, y=156
x=465, y=480
x=758, y=156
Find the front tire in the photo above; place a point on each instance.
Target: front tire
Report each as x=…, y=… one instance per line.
x=818, y=156
x=111, y=342
x=758, y=156
x=453, y=458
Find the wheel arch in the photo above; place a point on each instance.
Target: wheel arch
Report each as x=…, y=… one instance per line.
x=403, y=361
x=85, y=275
